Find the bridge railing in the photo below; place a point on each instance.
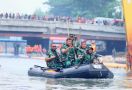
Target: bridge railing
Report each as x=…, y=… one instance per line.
x=60, y=24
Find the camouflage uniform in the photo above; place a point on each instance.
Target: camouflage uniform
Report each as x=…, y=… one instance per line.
x=86, y=58
x=68, y=58
x=76, y=43
x=55, y=63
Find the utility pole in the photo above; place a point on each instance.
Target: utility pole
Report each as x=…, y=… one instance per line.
x=68, y=27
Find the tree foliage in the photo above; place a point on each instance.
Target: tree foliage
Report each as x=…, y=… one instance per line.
x=39, y=12
x=85, y=8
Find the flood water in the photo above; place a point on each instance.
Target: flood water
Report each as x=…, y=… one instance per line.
x=13, y=76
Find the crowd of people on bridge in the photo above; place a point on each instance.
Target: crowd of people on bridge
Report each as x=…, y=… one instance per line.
x=115, y=22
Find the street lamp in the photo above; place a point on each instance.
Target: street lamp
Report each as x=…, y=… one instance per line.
x=68, y=28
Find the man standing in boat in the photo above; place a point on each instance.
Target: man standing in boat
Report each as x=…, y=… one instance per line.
x=52, y=58
x=68, y=53
x=75, y=40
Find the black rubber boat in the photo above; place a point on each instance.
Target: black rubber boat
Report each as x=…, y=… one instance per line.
x=87, y=71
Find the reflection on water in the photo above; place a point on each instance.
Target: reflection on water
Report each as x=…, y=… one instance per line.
x=13, y=76
x=74, y=84
x=128, y=80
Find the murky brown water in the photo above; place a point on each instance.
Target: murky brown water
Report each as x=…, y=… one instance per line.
x=13, y=76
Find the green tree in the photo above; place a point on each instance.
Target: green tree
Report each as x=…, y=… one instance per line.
x=85, y=8
x=39, y=12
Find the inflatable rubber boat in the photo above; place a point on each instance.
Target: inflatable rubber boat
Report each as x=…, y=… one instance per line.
x=87, y=71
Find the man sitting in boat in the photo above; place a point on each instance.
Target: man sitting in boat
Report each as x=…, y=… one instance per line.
x=68, y=53
x=90, y=55
x=52, y=58
x=84, y=54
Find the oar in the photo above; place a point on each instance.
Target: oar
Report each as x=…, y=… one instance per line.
x=76, y=67
x=42, y=68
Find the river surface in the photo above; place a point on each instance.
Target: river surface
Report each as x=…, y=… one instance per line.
x=13, y=76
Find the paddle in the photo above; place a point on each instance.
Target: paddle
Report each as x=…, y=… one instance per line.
x=81, y=62
x=42, y=68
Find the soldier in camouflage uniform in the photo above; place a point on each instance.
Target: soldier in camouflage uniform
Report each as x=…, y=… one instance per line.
x=84, y=54
x=52, y=58
x=76, y=42
x=90, y=55
x=68, y=53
